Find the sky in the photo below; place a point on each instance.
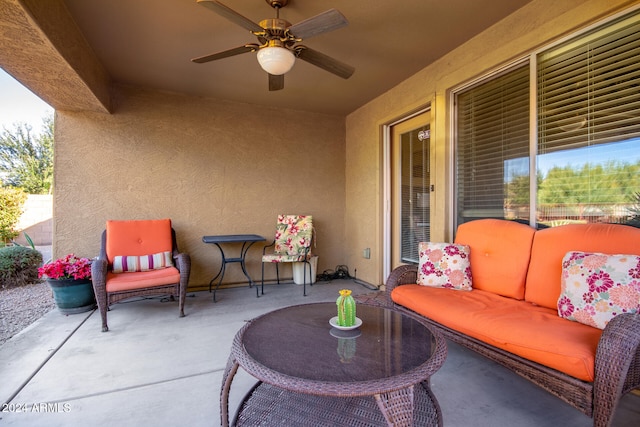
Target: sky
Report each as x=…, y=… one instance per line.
x=621, y=152
x=617, y=152
x=19, y=104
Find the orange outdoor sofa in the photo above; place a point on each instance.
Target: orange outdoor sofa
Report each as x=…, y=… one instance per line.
x=559, y=306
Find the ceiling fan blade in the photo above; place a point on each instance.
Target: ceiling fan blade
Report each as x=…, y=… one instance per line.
x=322, y=23
x=231, y=15
x=276, y=82
x=227, y=53
x=325, y=62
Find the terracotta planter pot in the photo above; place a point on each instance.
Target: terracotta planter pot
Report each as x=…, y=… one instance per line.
x=73, y=296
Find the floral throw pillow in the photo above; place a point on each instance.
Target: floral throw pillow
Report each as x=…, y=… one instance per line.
x=596, y=287
x=444, y=265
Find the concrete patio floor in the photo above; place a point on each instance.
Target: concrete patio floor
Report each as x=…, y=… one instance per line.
x=155, y=369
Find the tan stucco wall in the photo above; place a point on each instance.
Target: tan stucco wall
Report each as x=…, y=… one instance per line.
x=531, y=27
x=213, y=167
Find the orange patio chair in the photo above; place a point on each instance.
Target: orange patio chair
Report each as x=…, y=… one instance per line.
x=139, y=258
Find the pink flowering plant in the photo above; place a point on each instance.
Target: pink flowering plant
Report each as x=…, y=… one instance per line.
x=69, y=267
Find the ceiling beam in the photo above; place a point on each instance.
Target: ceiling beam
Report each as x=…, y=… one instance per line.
x=42, y=47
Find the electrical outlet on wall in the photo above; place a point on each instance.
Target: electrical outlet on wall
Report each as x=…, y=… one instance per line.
x=366, y=253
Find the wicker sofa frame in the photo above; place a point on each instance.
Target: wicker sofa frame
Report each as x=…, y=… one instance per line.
x=617, y=365
x=99, y=269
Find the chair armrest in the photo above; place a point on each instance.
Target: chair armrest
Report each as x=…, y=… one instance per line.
x=617, y=367
x=402, y=275
x=264, y=249
x=183, y=263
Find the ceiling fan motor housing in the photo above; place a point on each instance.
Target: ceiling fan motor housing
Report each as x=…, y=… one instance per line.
x=275, y=29
x=275, y=24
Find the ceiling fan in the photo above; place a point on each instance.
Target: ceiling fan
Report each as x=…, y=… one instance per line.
x=278, y=39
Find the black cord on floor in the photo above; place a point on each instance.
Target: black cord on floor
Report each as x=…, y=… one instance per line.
x=342, y=272
x=161, y=298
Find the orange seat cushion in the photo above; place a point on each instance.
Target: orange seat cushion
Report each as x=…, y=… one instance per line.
x=144, y=279
x=544, y=282
x=499, y=254
x=533, y=332
x=138, y=238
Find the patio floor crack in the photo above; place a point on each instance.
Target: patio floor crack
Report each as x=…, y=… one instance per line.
x=137, y=386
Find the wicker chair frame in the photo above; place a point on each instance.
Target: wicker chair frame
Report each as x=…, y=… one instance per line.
x=100, y=266
x=617, y=364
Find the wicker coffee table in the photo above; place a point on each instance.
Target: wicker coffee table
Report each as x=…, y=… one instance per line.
x=313, y=374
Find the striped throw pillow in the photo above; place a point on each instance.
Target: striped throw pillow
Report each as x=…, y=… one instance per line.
x=129, y=264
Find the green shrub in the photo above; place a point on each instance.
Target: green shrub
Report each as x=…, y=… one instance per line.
x=11, y=203
x=634, y=218
x=19, y=266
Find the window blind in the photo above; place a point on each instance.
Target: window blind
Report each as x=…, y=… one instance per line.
x=589, y=88
x=493, y=147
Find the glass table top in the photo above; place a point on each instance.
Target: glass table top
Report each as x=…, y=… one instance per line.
x=298, y=341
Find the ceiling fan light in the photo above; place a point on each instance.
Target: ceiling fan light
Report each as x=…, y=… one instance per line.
x=276, y=60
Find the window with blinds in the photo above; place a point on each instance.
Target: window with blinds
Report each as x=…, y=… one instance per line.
x=588, y=160
x=588, y=135
x=493, y=148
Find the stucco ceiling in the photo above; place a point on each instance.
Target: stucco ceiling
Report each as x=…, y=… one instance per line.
x=149, y=44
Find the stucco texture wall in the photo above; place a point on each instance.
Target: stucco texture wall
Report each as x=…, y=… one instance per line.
x=531, y=27
x=213, y=167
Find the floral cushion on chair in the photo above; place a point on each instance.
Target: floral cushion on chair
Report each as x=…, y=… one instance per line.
x=283, y=258
x=596, y=287
x=293, y=234
x=444, y=265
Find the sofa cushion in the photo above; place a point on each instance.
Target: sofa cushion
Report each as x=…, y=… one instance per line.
x=551, y=245
x=143, y=279
x=444, y=265
x=136, y=238
x=533, y=332
x=597, y=287
x=499, y=257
